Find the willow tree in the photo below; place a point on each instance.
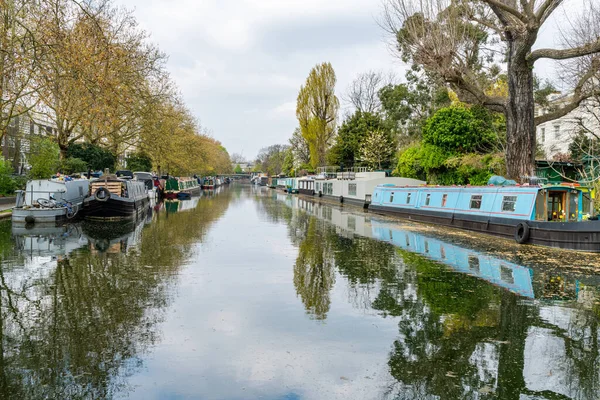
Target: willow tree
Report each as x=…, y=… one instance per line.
x=469, y=43
x=316, y=110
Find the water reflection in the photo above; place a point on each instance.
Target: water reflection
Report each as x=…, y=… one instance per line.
x=80, y=305
x=468, y=324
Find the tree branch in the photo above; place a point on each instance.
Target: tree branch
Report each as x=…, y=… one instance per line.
x=586, y=49
x=501, y=6
x=546, y=10
x=579, y=95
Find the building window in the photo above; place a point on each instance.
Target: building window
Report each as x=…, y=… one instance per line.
x=543, y=131
x=508, y=203
x=427, y=198
x=392, y=197
x=408, y=198
x=476, y=201
x=556, y=131
x=444, y=198
x=352, y=189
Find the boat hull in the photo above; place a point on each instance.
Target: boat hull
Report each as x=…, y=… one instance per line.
x=114, y=208
x=581, y=236
x=42, y=215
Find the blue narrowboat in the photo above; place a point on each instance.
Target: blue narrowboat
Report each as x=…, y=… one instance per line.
x=559, y=216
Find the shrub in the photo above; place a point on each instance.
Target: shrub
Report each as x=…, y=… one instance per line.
x=73, y=165
x=44, y=158
x=7, y=182
x=96, y=157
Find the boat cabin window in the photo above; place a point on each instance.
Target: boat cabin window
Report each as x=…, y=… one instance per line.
x=573, y=205
x=352, y=189
x=508, y=203
x=506, y=274
x=427, y=198
x=474, y=263
x=408, y=198
x=444, y=198
x=392, y=197
x=476, y=201
x=556, y=205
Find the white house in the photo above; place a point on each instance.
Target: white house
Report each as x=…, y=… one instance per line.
x=556, y=136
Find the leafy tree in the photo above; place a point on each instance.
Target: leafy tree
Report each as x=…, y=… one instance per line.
x=43, y=158
x=139, y=162
x=272, y=158
x=459, y=146
x=73, y=165
x=407, y=106
x=316, y=110
x=457, y=42
x=96, y=157
x=238, y=169
x=377, y=149
x=351, y=135
x=288, y=163
x=457, y=129
x=7, y=183
x=300, y=147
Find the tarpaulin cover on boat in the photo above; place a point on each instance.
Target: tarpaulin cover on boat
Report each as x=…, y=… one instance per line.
x=500, y=181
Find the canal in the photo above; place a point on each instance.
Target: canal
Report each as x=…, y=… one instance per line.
x=248, y=293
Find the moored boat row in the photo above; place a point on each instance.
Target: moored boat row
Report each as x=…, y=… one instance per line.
x=557, y=215
x=110, y=197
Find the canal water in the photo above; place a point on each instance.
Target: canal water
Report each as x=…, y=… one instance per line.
x=249, y=293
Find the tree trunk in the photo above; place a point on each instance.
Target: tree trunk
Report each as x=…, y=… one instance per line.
x=520, y=114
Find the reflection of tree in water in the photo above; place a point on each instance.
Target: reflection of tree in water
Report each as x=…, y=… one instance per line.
x=79, y=329
x=314, y=274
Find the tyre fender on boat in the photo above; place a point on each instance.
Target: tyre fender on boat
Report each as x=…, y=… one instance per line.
x=522, y=232
x=102, y=194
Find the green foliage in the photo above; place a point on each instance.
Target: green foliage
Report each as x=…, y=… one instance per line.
x=7, y=183
x=457, y=148
x=316, y=109
x=352, y=134
x=583, y=147
x=288, y=163
x=44, y=158
x=458, y=130
x=238, y=169
x=96, y=157
x=377, y=149
x=139, y=162
x=73, y=165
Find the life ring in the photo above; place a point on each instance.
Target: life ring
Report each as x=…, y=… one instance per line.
x=522, y=232
x=102, y=194
x=341, y=199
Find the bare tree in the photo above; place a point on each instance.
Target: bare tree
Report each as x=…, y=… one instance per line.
x=467, y=43
x=237, y=158
x=363, y=92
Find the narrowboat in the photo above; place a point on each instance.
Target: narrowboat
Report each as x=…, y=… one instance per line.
x=50, y=200
x=208, y=183
x=281, y=183
x=291, y=185
x=560, y=216
x=112, y=198
x=306, y=185
x=356, y=186
x=148, y=180
x=181, y=188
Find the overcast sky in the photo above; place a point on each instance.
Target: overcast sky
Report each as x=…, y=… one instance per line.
x=240, y=63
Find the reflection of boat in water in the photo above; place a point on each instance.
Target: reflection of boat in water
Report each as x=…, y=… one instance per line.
x=48, y=241
x=62, y=240
x=502, y=273
x=181, y=205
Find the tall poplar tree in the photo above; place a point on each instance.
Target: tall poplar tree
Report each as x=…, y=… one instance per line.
x=316, y=110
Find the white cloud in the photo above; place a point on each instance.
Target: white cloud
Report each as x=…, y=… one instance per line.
x=240, y=63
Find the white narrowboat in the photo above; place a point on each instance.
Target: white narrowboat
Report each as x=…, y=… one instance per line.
x=50, y=200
